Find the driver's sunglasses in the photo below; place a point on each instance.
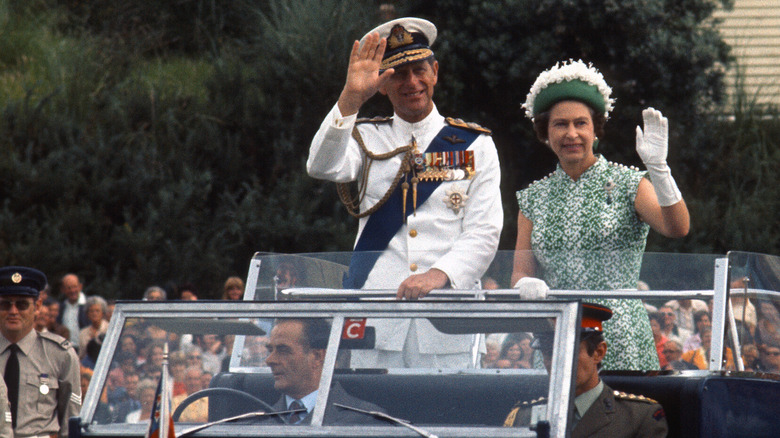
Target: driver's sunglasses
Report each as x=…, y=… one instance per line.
x=22, y=305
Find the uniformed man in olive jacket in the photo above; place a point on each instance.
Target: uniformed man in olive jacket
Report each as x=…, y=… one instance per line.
x=598, y=410
x=41, y=370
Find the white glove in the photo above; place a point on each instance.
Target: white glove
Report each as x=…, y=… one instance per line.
x=530, y=288
x=652, y=145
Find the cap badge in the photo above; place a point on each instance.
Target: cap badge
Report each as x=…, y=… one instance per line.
x=455, y=199
x=399, y=37
x=16, y=278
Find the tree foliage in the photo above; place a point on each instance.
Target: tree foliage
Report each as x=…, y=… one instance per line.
x=164, y=142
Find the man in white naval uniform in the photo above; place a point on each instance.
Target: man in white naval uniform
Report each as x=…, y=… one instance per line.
x=440, y=224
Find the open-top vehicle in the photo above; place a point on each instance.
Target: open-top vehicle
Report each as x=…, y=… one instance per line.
x=464, y=401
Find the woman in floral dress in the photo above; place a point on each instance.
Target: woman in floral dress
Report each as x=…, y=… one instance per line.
x=587, y=222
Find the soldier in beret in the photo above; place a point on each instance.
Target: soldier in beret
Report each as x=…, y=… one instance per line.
x=599, y=411
x=41, y=370
x=429, y=209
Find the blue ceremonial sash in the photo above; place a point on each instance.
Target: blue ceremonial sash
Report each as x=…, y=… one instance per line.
x=384, y=223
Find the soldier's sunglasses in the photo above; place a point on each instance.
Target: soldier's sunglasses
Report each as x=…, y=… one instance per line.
x=5, y=305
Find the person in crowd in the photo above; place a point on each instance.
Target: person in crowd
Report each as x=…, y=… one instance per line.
x=286, y=275
x=110, y=306
x=228, y=340
x=430, y=212
x=516, y=352
x=129, y=344
x=53, y=325
x=296, y=356
x=187, y=292
x=492, y=352
x=684, y=311
x=98, y=325
x=152, y=367
x=669, y=326
x=205, y=379
x=213, y=351
x=672, y=355
x=656, y=319
x=34, y=364
x=745, y=314
x=124, y=400
x=92, y=351
x=598, y=410
x=147, y=390
x=770, y=358
x=177, y=365
x=41, y=323
x=233, y=289
x=155, y=293
x=588, y=220
x=750, y=357
x=768, y=325
x=701, y=319
x=73, y=311
x=197, y=411
x=700, y=357
x=194, y=357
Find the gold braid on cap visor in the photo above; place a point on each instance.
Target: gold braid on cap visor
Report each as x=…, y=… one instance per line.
x=406, y=56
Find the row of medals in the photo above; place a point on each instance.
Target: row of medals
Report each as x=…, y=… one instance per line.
x=423, y=172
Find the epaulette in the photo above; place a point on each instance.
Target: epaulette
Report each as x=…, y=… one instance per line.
x=57, y=339
x=526, y=404
x=633, y=397
x=459, y=123
x=374, y=120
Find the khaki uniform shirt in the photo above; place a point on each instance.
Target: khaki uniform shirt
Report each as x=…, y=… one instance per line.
x=49, y=380
x=5, y=420
x=614, y=414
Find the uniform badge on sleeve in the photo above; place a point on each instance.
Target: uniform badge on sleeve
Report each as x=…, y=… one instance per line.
x=456, y=198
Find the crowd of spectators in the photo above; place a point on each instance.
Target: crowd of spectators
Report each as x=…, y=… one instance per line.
x=135, y=371
x=682, y=331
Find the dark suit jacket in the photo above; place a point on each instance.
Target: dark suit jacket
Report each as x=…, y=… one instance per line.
x=335, y=415
x=83, y=320
x=613, y=415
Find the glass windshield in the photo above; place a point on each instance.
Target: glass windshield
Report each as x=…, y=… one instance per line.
x=225, y=362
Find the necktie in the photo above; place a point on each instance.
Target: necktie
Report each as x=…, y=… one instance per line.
x=11, y=377
x=296, y=417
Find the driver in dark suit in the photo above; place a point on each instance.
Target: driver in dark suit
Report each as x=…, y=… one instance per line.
x=296, y=355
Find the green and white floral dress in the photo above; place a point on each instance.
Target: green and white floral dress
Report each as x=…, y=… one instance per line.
x=587, y=236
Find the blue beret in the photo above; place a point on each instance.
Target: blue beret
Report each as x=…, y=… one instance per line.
x=18, y=280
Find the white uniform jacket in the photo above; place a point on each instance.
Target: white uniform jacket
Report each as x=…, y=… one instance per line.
x=462, y=244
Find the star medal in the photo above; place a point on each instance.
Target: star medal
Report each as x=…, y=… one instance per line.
x=455, y=199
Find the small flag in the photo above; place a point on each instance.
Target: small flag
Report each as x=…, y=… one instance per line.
x=161, y=407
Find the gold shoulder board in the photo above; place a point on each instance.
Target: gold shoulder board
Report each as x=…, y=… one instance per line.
x=633, y=397
x=467, y=125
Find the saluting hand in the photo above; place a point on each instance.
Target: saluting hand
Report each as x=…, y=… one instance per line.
x=363, y=78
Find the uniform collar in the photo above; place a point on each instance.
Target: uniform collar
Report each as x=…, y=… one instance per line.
x=584, y=401
x=25, y=344
x=417, y=129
